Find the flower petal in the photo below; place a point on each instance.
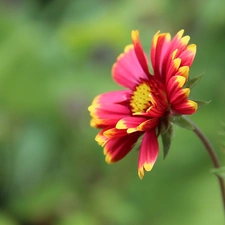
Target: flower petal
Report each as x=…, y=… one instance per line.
x=114, y=133
x=106, y=109
x=116, y=148
x=100, y=138
x=148, y=124
x=173, y=69
x=127, y=71
x=174, y=85
x=130, y=123
x=139, y=51
x=160, y=44
x=179, y=96
x=148, y=153
x=187, y=56
x=186, y=108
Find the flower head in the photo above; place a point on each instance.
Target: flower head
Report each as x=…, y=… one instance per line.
x=149, y=100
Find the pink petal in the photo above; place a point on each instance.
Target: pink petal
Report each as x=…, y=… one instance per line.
x=127, y=71
x=148, y=153
x=117, y=148
x=108, y=108
x=113, y=97
x=188, y=55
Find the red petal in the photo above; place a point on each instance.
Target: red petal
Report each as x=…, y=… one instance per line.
x=179, y=96
x=188, y=55
x=148, y=153
x=139, y=51
x=174, y=85
x=148, y=124
x=160, y=44
x=127, y=71
x=117, y=148
x=186, y=108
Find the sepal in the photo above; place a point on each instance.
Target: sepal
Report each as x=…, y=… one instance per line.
x=201, y=103
x=193, y=81
x=166, y=140
x=182, y=122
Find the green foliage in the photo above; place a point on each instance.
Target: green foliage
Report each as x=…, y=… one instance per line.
x=182, y=122
x=201, y=103
x=166, y=140
x=220, y=172
x=193, y=81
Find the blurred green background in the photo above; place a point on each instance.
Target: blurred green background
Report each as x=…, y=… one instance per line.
x=55, y=57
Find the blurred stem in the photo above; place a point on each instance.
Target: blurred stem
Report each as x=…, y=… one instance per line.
x=212, y=155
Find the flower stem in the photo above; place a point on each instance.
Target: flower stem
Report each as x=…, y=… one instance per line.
x=212, y=155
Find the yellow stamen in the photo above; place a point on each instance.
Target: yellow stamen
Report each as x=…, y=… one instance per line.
x=142, y=98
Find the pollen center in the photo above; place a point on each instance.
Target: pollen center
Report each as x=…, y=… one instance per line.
x=141, y=98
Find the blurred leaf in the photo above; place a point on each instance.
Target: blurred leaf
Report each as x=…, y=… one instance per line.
x=182, y=122
x=201, y=103
x=223, y=124
x=51, y=196
x=166, y=140
x=193, y=81
x=79, y=218
x=6, y=219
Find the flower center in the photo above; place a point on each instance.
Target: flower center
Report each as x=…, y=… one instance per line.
x=141, y=98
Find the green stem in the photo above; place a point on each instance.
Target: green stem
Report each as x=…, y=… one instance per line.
x=212, y=155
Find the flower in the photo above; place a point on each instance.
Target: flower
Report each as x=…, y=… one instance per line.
x=149, y=100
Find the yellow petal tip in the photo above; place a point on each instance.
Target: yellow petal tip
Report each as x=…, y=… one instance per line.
x=135, y=35
x=146, y=167
x=193, y=104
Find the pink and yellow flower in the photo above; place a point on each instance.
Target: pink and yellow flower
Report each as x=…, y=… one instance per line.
x=151, y=97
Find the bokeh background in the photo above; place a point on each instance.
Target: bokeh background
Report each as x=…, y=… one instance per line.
x=55, y=57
